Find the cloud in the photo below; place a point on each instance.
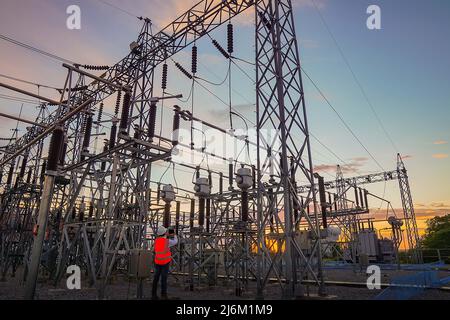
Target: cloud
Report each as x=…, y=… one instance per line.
x=324, y=167
x=439, y=142
x=168, y=10
x=420, y=205
x=425, y=214
x=421, y=214
x=407, y=156
x=444, y=204
x=440, y=205
x=352, y=167
x=360, y=159
x=440, y=156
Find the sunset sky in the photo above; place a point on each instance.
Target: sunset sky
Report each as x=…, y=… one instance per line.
x=404, y=70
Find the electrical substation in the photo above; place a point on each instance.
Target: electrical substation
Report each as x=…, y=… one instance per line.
x=87, y=187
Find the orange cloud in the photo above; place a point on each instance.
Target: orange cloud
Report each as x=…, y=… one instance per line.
x=440, y=156
x=421, y=214
x=440, y=205
x=438, y=142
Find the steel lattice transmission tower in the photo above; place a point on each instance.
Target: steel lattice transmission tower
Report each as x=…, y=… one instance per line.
x=283, y=130
x=412, y=232
x=119, y=178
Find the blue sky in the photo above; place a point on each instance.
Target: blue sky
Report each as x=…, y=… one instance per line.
x=404, y=69
x=405, y=73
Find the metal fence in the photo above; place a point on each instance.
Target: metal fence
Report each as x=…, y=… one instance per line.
x=429, y=256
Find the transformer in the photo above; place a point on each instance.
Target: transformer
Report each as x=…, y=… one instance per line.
x=368, y=244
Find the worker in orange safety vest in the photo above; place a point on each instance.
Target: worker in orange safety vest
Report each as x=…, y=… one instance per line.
x=163, y=256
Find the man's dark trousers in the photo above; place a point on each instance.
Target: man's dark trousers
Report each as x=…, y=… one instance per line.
x=160, y=271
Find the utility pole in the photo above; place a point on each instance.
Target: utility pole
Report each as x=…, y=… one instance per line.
x=40, y=229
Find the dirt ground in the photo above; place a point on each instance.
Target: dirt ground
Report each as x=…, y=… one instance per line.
x=120, y=288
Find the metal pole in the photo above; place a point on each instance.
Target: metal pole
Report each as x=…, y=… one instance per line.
x=22, y=120
x=30, y=286
x=53, y=154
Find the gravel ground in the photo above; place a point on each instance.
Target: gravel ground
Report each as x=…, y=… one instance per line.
x=122, y=289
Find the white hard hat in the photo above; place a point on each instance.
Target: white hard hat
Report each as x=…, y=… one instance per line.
x=161, y=231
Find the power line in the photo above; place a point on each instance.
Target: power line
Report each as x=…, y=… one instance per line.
x=253, y=123
x=18, y=99
x=331, y=151
x=363, y=92
x=328, y=149
x=120, y=9
x=342, y=119
x=334, y=111
x=34, y=49
x=320, y=142
x=26, y=81
x=218, y=98
x=218, y=84
x=217, y=77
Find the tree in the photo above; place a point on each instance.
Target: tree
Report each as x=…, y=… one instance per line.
x=437, y=234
